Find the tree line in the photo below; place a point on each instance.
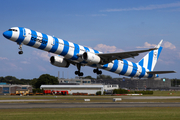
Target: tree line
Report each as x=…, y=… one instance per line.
x=46, y=79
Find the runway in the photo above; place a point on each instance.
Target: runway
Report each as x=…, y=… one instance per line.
x=13, y=103
x=85, y=105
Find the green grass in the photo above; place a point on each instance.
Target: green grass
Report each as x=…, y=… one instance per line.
x=166, y=93
x=154, y=113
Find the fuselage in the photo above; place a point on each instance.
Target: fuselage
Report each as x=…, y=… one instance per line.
x=71, y=51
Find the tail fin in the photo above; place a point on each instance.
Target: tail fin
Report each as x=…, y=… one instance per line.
x=149, y=61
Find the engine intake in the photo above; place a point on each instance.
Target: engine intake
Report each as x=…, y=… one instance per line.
x=91, y=58
x=59, y=62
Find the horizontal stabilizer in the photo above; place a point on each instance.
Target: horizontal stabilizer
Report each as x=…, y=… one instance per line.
x=160, y=72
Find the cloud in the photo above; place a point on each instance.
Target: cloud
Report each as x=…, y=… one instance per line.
x=41, y=68
x=43, y=55
x=147, y=45
x=168, y=45
x=25, y=62
x=166, y=62
x=150, y=7
x=98, y=15
x=105, y=48
x=14, y=66
x=3, y=58
x=165, y=44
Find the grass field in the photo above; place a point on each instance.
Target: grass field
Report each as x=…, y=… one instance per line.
x=154, y=113
x=166, y=93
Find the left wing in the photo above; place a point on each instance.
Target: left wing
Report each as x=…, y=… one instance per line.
x=109, y=57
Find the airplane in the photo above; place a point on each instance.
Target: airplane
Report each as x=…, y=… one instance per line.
x=78, y=55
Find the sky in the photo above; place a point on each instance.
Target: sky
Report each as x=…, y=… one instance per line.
x=105, y=25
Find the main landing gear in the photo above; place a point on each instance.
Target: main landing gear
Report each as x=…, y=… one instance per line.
x=20, y=48
x=78, y=72
x=99, y=72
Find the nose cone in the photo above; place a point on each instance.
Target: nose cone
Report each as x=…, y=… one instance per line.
x=7, y=34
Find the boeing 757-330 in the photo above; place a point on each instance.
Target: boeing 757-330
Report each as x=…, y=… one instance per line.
x=78, y=55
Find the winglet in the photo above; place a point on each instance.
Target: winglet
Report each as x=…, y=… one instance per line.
x=159, y=44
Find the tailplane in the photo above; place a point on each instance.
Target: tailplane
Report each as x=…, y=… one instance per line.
x=149, y=61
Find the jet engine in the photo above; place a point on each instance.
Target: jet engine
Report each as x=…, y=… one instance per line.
x=91, y=58
x=59, y=62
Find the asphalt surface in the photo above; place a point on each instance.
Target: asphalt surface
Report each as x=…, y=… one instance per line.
x=18, y=104
x=84, y=105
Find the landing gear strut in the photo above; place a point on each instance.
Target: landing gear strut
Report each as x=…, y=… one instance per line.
x=20, y=48
x=97, y=71
x=78, y=72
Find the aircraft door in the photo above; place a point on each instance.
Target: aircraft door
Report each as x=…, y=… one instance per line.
x=139, y=70
x=53, y=41
x=24, y=32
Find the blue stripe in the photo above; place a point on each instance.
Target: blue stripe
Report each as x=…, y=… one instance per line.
x=21, y=37
x=105, y=66
x=157, y=75
x=159, y=51
x=125, y=67
x=143, y=72
x=150, y=76
x=55, y=46
x=86, y=49
x=44, y=38
x=33, y=38
x=134, y=70
x=150, y=60
x=141, y=62
x=65, y=49
x=95, y=51
x=115, y=66
x=76, y=51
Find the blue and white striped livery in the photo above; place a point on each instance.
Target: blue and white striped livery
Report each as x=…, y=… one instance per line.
x=83, y=56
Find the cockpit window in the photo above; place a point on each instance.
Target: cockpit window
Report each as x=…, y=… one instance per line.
x=12, y=30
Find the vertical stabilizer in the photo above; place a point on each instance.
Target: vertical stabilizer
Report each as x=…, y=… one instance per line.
x=149, y=61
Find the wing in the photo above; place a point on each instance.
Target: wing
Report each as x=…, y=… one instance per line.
x=108, y=57
x=160, y=72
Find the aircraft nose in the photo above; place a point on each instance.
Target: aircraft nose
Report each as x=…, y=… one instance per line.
x=7, y=34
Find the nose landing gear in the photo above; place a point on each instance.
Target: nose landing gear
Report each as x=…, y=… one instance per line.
x=20, y=48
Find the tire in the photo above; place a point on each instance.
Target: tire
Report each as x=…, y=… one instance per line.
x=20, y=52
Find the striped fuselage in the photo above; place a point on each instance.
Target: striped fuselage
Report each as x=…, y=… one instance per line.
x=70, y=50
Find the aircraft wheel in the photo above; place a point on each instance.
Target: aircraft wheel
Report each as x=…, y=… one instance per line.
x=95, y=70
x=99, y=72
x=81, y=74
x=20, y=52
x=77, y=72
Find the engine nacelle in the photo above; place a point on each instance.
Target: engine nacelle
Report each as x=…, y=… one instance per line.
x=59, y=62
x=91, y=58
